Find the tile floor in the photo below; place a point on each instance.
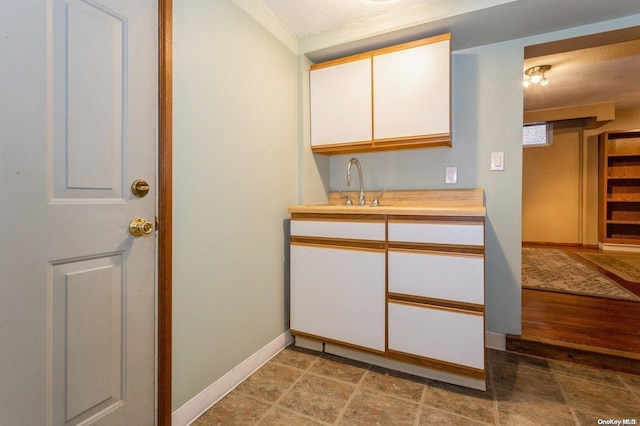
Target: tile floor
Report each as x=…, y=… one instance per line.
x=299, y=388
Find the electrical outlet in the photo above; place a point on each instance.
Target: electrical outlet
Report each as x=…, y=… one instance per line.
x=451, y=174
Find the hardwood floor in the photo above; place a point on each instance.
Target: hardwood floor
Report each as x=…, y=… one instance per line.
x=589, y=330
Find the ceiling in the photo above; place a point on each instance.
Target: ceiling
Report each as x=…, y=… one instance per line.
x=585, y=70
x=307, y=17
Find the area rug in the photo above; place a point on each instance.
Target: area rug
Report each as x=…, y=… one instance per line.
x=554, y=270
x=624, y=265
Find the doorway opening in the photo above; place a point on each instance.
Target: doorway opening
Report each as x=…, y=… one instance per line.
x=561, y=194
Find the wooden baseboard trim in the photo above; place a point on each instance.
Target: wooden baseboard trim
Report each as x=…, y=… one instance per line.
x=608, y=359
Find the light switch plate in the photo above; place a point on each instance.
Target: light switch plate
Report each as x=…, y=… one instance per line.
x=497, y=161
x=451, y=174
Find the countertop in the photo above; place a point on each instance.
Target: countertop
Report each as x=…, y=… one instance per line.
x=457, y=202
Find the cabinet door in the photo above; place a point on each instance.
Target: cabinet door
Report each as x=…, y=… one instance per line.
x=339, y=294
x=411, y=91
x=440, y=334
x=341, y=103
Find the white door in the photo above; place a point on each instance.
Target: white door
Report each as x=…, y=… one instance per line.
x=78, y=95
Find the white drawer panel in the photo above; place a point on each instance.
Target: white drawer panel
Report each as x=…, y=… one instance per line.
x=437, y=334
x=439, y=276
x=337, y=229
x=437, y=233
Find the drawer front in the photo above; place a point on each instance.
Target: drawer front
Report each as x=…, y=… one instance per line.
x=442, y=335
x=439, y=276
x=437, y=233
x=339, y=229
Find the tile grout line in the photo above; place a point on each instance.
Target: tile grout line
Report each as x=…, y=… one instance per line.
x=558, y=382
x=356, y=390
x=630, y=389
x=494, y=393
x=558, y=375
x=275, y=404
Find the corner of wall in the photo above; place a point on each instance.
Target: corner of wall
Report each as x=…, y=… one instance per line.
x=194, y=408
x=269, y=21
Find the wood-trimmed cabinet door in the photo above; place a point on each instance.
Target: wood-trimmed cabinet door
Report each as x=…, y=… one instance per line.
x=339, y=294
x=411, y=92
x=338, y=285
x=340, y=97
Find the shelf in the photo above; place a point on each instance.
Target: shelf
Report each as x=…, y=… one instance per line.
x=623, y=155
x=619, y=197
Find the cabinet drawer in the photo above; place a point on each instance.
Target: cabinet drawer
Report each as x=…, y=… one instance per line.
x=437, y=233
x=444, y=335
x=439, y=276
x=339, y=229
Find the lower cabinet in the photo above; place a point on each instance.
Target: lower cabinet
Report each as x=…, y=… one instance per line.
x=407, y=289
x=436, y=292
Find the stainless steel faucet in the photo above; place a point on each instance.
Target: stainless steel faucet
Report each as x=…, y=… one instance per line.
x=355, y=161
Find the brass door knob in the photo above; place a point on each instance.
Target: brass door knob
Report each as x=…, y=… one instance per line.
x=140, y=188
x=139, y=227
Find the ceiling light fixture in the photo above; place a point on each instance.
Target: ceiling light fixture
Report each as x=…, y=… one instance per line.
x=536, y=75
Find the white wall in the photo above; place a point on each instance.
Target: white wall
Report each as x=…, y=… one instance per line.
x=235, y=173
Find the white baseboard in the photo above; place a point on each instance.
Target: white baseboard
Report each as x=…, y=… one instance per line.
x=200, y=403
x=495, y=341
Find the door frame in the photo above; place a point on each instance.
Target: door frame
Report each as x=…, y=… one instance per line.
x=164, y=221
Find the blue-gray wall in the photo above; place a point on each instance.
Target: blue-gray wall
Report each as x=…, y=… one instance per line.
x=487, y=112
x=235, y=173
x=242, y=156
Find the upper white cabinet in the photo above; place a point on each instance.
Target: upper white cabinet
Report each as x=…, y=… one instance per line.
x=392, y=98
x=411, y=92
x=341, y=103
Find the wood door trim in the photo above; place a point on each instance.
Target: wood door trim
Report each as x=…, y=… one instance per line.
x=448, y=367
x=434, y=248
x=433, y=303
x=339, y=243
x=165, y=200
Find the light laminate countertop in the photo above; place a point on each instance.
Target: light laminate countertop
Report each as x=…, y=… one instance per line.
x=457, y=202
